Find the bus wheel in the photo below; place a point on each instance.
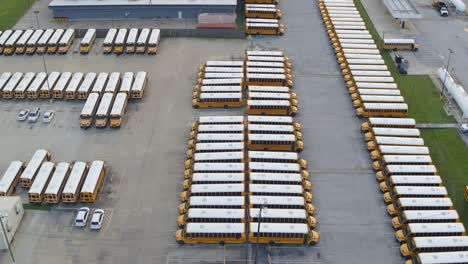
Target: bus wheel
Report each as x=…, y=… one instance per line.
x=271, y=243
x=225, y=106
x=395, y=49
x=221, y=243
x=293, y=114
x=180, y=242
x=195, y=106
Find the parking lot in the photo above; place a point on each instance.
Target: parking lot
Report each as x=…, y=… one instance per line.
x=146, y=156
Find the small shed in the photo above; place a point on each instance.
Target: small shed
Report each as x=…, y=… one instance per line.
x=11, y=213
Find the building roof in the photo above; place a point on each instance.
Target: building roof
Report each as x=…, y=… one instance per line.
x=402, y=9
x=7, y=202
x=68, y=3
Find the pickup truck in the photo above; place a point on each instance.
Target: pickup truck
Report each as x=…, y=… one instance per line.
x=441, y=7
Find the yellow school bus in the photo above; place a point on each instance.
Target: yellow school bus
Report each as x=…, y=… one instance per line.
x=93, y=181
x=212, y=233
x=282, y=233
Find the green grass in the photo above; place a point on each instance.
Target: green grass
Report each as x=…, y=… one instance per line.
x=11, y=11
x=43, y=207
x=450, y=155
x=421, y=95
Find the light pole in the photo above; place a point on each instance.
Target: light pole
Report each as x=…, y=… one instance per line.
x=446, y=71
x=258, y=230
x=6, y=238
x=43, y=57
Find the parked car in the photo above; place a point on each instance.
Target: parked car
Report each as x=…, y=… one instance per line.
x=441, y=8
x=48, y=116
x=81, y=219
x=96, y=219
x=34, y=115
x=464, y=128
x=22, y=114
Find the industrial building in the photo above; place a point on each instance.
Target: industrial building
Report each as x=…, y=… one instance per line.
x=138, y=9
x=11, y=214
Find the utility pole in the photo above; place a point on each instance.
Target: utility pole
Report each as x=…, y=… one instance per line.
x=6, y=239
x=446, y=71
x=43, y=56
x=258, y=231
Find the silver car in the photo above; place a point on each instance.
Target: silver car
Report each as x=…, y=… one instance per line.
x=23, y=114
x=96, y=219
x=34, y=115
x=48, y=116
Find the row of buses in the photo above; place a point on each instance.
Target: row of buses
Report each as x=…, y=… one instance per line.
x=219, y=199
x=262, y=18
x=428, y=227
x=130, y=41
x=38, y=41
x=51, y=183
x=372, y=88
x=67, y=85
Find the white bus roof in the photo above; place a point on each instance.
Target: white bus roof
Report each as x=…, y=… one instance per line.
x=265, y=76
x=100, y=82
x=58, y=177
x=411, y=168
x=13, y=82
x=121, y=36
x=51, y=80
x=216, y=200
x=420, y=190
x=220, y=89
x=374, y=85
x=223, y=75
x=132, y=36
x=345, y=19
x=283, y=228
x=221, y=119
x=75, y=81
x=385, y=106
x=217, y=228
x=443, y=242
x=10, y=175
x=91, y=101
x=375, y=121
x=212, y=128
x=436, y=227
x=275, y=96
x=127, y=81
x=266, y=9
x=348, y=23
x=388, y=131
x=269, y=119
x=276, y=188
x=272, y=103
x=38, y=81
x=382, y=98
x=279, y=213
x=266, y=58
x=14, y=37
x=154, y=37
x=25, y=82
x=110, y=36
x=277, y=200
x=114, y=79
x=45, y=37
x=275, y=177
x=224, y=69
x=405, y=150
x=399, y=141
x=219, y=146
x=105, y=104
x=218, y=166
x=443, y=257
x=426, y=202
x=399, y=41
x=63, y=81
x=366, y=61
x=273, y=137
x=270, y=53
x=143, y=37
x=407, y=158
x=33, y=165
x=261, y=6
x=25, y=37
x=4, y=79
x=56, y=36
x=218, y=177
x=275, y=89
x=216, y=213
x=92, y=178
x=379, y=92
x=360, y=55
x=67, y=36
x=220, y=136
x=42, y=177
x=224, y=63
x=430, y=214
x=90, y=33
x=370, y=73
x=209, y=156
x=262, y=20
x=265, y=64
x=221, y=81
x=139, y=82
x=5, y=36
x=406, y=179
x=265, y=70
x=217, y=188
x=364, y=51
x=271, y=128
x=74, y=179
x=207, y=96
x=88, y=81
x=273, y=155
x=373, y=79
x=35, y=37
x=274, y=166
x=119, y=103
